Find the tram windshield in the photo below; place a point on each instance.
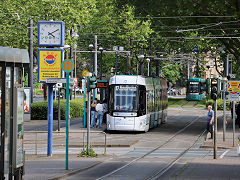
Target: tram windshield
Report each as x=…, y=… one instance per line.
x=125, y=98
x=193, y=87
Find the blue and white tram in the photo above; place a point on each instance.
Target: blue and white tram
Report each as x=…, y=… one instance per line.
x=136, y=103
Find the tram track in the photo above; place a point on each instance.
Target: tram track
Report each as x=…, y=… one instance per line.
x=159, y=173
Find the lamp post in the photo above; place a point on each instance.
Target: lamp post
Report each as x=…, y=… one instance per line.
x=128, y=54
x=101, y=50
x=141, y=57
x=115, y=48
x=148, y=61
x=101, y=90
x=90, y=48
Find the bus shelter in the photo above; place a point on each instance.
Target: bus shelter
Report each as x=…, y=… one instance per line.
x=13, y=61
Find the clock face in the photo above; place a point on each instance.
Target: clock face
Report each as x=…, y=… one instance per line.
x=50, y=33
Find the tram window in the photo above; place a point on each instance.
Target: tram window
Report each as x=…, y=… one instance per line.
x=142, y=99
x=125, y=98
x=193, y=87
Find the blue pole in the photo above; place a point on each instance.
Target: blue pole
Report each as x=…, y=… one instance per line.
x=84, y=121
x=50, y=118
x=67, y=117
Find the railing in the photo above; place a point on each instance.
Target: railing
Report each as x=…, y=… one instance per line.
x=40, y=139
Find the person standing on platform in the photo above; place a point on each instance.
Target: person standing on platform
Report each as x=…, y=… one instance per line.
x=210, y=120
x=238, y=115
x=93, y=111
x=100, y=111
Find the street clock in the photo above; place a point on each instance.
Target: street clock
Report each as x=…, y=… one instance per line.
x=51, y=33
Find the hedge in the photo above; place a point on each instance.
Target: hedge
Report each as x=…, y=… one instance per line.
x=39, y=109
x=219, y=104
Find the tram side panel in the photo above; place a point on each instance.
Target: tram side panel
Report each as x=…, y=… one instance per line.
x=164, y=100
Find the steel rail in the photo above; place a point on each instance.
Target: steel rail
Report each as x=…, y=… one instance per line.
x=150, y=152
x=161, y=172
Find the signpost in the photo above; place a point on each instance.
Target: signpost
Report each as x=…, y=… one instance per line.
x=49, y=66
x=234, y=90
x=67, y=66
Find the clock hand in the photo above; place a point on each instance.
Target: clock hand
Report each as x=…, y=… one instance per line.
x=51, y=34
x=54, y=31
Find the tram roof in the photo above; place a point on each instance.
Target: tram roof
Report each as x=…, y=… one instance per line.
x=129, y=79
x=16, y=55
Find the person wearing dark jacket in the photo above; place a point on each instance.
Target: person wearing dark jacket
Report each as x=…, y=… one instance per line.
x=237, y=122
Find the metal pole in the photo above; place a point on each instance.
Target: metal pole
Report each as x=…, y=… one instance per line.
x=75, y=71
x=224, y=109
x=101, y=89
x=91, y=61
x=59, y=110
x=95, y=55
x=188, y=74
x=215, y=130
x=148, y=68
x=116, y=62
x=67, y=117
x=84, y=116
x=88, y=122
x=127, y=63
x=233, y=122
x=141, y=61
x=50, y=118
x=150, y=52
x=11, y=173
x=30, y=75
x=101, y=66
x=3, y=122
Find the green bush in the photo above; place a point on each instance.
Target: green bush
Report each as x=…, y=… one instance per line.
x=219, y=104
x=39, y=109
x=90, y=153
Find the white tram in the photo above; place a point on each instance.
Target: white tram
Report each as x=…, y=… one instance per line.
x=136, y=103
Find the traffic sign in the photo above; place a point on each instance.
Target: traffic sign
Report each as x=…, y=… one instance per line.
x=59, y=80
x=233, y=76
x=84, y=73
x=233, y=97
x=67, y=65
x=233, y=86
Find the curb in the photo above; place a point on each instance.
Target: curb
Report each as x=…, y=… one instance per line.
x=73, y=172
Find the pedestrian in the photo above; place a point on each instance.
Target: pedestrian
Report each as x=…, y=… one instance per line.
x=100, y=111
x=210, y=120
x=238, y=115
x=93, y=112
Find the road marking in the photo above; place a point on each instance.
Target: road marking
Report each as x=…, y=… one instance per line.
x=223, y=154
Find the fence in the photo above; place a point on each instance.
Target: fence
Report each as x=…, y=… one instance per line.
x=35, y=140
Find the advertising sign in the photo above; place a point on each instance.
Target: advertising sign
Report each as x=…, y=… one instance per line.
x=49, y=63
x=18, y=154
x=27, y=100
x=233, y=86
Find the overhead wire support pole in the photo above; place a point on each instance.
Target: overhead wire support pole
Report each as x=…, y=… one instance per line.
x=30, y=75
x=215, y=130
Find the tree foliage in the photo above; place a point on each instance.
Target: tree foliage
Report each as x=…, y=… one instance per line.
x=160, y=27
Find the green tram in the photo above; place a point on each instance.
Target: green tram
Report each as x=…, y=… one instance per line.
x=136, y=103
x=194, y=90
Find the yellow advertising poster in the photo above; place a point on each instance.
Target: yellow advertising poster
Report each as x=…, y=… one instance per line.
x=233, y=86
x=49, y=63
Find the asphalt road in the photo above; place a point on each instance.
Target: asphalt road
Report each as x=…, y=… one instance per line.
x=140, y=164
